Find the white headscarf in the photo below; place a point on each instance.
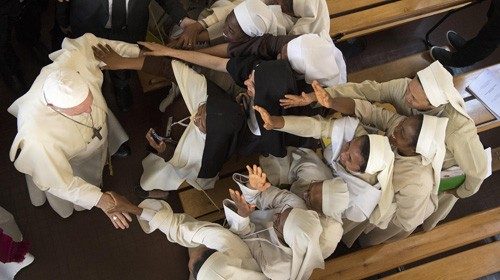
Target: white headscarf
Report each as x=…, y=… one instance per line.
x=335, y=198
x=318, y=59
x=381, y=160
x=439, y=89
x=65, y=88
x=431, y=145
x=256, y=19
x=301, y=232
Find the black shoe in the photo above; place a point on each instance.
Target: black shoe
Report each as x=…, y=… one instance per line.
x=123, y=152
x=146, y=194
x=441, y=54
x=123, y=98
x=455, y=40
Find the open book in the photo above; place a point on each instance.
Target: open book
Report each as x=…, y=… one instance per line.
x=486, y=88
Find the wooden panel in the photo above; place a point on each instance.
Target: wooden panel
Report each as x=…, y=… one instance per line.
x=404, y=67
x=495, y=155
x=345, y=6
x=471, y=264
x=381, y=258
x=462, y=81
x=478, y=112
x=488, y=126
x=390, y=15
x=196, y=203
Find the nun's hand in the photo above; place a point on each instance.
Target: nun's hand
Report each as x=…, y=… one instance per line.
x=292, y=100
x=122, y=205
x=270, y=122
x=244, y=208
x=155, y=49
x=257, y=178
x=189, y=36
x=322, y=95
x=159, y=147
x=107, y=55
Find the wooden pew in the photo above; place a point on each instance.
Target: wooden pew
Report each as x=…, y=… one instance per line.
x=354, y=18
x=381, y=258
x=409, y=66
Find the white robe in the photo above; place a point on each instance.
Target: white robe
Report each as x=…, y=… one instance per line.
x=185, y=164
x=58, y=156
x=189, y=232
x=274, y=258
x=299, y=168
x=463, y=146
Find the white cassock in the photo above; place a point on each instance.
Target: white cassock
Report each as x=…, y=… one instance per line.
x=61, y=160
x=233, y=259
x=276, y=260
x=10, y=228
x=299, y=168
x=186, y=162
x=463, y=146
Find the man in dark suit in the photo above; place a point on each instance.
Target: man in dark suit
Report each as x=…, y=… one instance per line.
x=124, y=20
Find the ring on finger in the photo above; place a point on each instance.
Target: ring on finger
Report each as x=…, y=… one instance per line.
x=115, y=218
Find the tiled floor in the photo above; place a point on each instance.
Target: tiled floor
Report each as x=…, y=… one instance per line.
x=86, y=246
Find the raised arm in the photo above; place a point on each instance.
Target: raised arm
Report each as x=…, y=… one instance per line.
x=201, y=59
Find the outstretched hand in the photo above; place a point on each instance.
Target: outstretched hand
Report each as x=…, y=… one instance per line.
x=244, y=208
x=270, y=122
x=292, y=100
x=155, y=49
x=322, y=95
x=257, y=178
x=189, y=37
x=106, y=54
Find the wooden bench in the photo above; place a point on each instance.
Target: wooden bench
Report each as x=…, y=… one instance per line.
x=354, y=18
x=474, y=263
x=409, y=66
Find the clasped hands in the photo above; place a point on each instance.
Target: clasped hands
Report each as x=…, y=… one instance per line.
x=118, y=209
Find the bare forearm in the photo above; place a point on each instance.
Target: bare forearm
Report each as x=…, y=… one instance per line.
x=201, y=59
x=131, y=63
x=218, y=50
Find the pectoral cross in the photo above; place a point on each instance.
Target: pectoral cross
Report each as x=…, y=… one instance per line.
x=97, y=133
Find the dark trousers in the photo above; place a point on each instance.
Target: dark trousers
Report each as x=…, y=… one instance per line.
x=9, y=61
x=485, y=42
x=120, y=78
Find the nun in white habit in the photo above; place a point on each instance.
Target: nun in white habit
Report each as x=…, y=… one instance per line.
x=414, y=204
x=282, y=235
x=63, y=156
x=232, y=258
x=432, y=92
x=317, y=59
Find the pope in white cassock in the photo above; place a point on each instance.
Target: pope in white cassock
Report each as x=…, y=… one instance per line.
x=66, y=131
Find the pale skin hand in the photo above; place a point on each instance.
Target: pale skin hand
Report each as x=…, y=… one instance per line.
x=291, y=100
x=105, y=203
x=257, y=178
x=322, y=95
x=244, y=208
x=270, y=122
x=160, y=148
